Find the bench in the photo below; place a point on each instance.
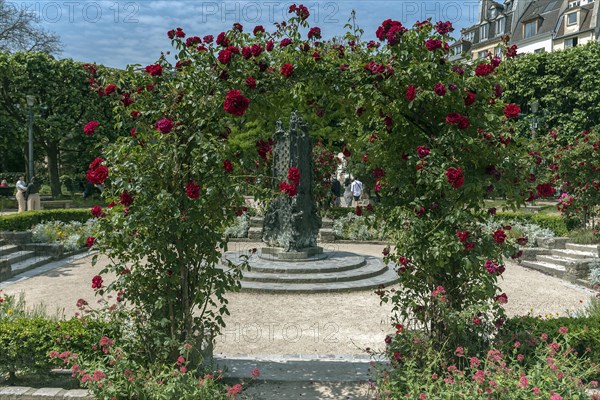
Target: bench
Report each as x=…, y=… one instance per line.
x=52, y=204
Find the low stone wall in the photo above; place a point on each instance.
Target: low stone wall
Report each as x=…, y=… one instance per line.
x=27, y=393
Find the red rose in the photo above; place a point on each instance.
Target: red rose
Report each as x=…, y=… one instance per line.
x=411, y=93
x=314, y=33
x=316, y=56
x=97, y=212
x=227, y=166
x=222, y=40
x=96, y=163
x=285, y=42
x=455, y=177
x=512, y=51
x=154, y=70
x=287, y=70
x=484, y=69
x=192, y=41
x=208, y=39
x=192, y=189
x=378, y=173
x=251, y=82
x=256, y=50
x=294, y=176
x=90, y=127
x=470, y=99
x=499, y=236
x=290, y=190
x=179, y=33
x=444, y=27
x=126, y=199
x=502, y=298
x=89, y=242
x=224, y=56
x=238, y=27
x=96, y=282
x=433, y=44
x=439, y=89
x=512, y=110
x=258, y=29
x=462, y=236
x=235, y=103
x=270, y=45
x=97, y=175
x=164, y=125
x=469, y=246
x=545, y=190
x=301, y=11
x=110, y=89
x=459, y=120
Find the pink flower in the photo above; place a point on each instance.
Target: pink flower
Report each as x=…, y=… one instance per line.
x=501, y=298
x=90, y=127
x=556, y=397
x=255, y=373
x=234, y=391
x=563, y=330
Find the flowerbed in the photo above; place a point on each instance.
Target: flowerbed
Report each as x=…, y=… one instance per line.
x=72, y=235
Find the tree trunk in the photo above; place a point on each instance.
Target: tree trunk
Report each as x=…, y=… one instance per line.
x=52, y=153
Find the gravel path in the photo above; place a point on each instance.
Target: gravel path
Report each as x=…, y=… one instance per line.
x=337, y=323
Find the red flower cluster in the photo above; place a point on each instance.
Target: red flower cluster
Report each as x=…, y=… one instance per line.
x=484, y=69
x=499, y=236
x=463, y=235
x=289, y=189
x=90, y=127
x=301, y=11
x=390, y=30
x=264, y=148
x=251, y=82
x=154, y=70
x=164, y=125
x=97, y=173
x=444, y=27
x=227, y=166
x=89, y=242
x=224, y=56
x=470, y=99
x=459, y=120
x=512, y=110
x=439, y=89
x=192, y=189
x=494, y=268
x=258, y=29
x=423, y=151
x=512, y=51
x=110, y=89
x=126, y=199
x=176, y=33
x=222, y=40
x=97, y=212
x=235, y=103
x=433, y=44
x=455, y=177
x=314, y=33
x=545, y=190
x=287, y=70
x=192, y=41
x=294, y=176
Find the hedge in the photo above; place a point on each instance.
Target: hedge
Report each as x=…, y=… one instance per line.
x=25, y=220
x=555, y=223
x=584, y=333
x=25, y=343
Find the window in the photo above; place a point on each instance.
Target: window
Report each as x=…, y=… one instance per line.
x=572, y=19
x=469, y=36
x=500, y=25
x=540, y=50
x=530, y=29
x=570, y=43
x=498, y=52
x=483, y=32
x=574, y=4
x=482, y=54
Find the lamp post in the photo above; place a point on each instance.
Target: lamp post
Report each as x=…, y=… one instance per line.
x=30, y=102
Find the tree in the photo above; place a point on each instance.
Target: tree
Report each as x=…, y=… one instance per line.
x=565, y=83
x=64, y=102
x=20, y=32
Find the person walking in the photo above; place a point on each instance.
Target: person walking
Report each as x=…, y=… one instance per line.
x=347, y=193
x=357, y=189
x=33, y=195
x=336, y=190
x=20, y=194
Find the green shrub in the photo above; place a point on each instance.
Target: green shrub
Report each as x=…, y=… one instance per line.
x=585, y=236
x=25, y=343
x=584, y=332
x=26, y=220
x=553, y=222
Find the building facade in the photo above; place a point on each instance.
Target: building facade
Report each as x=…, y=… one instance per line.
x=533, y=25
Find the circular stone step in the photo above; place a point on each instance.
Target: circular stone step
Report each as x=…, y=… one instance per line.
x=335, y=261
x=339, y=272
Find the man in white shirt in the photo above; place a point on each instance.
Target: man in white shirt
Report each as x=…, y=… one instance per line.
x=356, y=187
x=20, y=195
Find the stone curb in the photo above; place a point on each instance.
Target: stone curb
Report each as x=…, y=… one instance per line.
x=27, y=393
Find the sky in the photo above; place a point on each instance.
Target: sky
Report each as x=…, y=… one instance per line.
x=120, y=32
